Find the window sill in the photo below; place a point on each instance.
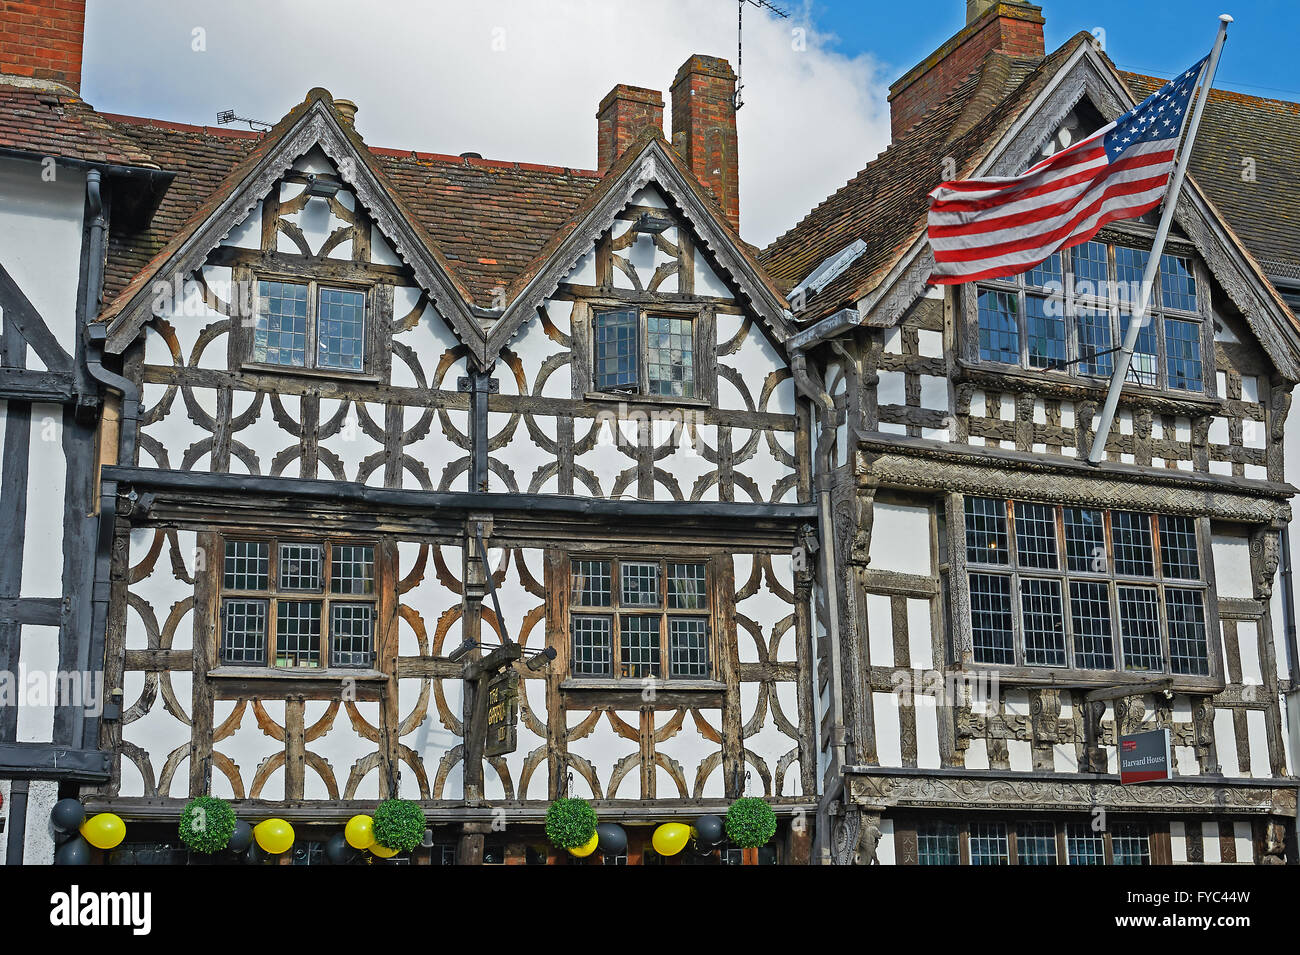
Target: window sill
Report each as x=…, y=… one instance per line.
x=634, y=685
x=295, y=673
x=255, y=368
x=639, y=399
x=1142, y=681
x=1079, y=388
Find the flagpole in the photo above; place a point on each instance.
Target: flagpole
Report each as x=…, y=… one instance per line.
x=1139, y=316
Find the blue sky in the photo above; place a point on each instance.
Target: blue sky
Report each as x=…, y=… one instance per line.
x=1159, y=37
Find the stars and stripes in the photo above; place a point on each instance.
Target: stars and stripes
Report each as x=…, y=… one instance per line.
x=1002, y=226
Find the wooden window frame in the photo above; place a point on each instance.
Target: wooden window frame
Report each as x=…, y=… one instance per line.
x=699, y=368
x=616, y=611
x=907, y=832
x=370, y=342
x=273, y=594
x=1071, y=305
x=1112, y=579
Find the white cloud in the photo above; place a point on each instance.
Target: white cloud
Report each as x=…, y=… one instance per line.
x=511, y=79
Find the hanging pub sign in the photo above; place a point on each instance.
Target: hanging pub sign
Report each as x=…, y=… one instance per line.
x=1145, y=757
x=502, y=712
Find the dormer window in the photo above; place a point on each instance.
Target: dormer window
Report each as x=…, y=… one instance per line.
x=309, y=325
x=1071, y=311
x=644, y=353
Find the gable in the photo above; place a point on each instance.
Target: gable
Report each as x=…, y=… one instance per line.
x=312, y=133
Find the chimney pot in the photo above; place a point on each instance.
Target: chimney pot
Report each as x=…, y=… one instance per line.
x=347, y=110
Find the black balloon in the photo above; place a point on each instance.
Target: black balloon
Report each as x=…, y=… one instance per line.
x=611, y=839
x=254, y=854
x=241, y=838
x=709, y=830
x=74, y=852
x=68, y=815
x=337, y=850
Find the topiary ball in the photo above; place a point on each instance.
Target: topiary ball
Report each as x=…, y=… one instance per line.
x=750, y=823
x=399, y=824
x=570, y=823
x=207, y=824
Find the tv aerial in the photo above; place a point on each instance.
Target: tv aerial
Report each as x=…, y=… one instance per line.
x=772, y=8
x=227, y=116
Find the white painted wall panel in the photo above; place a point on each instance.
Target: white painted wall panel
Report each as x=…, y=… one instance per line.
x=900, y=539
x=47, y=479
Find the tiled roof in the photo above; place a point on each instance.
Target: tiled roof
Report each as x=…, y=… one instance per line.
x=885, y=204
x=49, y=122
x=1264, y=211
x=488, y=218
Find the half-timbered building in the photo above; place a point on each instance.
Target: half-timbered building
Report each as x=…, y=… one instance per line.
x=374, y=417
x=1008, y=612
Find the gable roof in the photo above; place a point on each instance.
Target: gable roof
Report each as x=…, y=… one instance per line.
x=648, y=159
x=43, y=122
x=313, y=122
x=1264, y=212
x=885, y=204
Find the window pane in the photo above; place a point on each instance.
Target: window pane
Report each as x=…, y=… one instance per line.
x=1084, y=845
x=592, y=583
x=936, y=844
x=640, y=584
x=1183, y=354
x=1036, y=843
x=1046, y=332
x=248, y=565
x=986, y=531
x=1143, y=366
x=688, y=647
x=1177, y=283
x=988, y=844
x=670, y=356
x=1139, y=627
x=1036, y=535
x=999, y=327
x=352, y=569
x=639, y=645
x=1091, y=271
x=686, y=587
x=243, y=633
x=340, y=329
x=1178, y=557
x=1090, y=617
x=1131, y=534
x=351, y=635
x=280, y=335
x=1043, y=622
x=1085, y=540
x=301, y=567
x=297, y=633
x=1129, y=266
x=1093, y=327
x=1130, y=843
x=616, y=351
x=1046, y=274
x=990, y=611
x=1188, y=652
x=591, y=646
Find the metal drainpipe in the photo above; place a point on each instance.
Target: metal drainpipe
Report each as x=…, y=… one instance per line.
x=816, y=392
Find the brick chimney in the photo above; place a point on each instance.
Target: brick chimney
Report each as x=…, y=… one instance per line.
x=704, y=128
x=992, y=26
x=41, y=40
x=623, y=114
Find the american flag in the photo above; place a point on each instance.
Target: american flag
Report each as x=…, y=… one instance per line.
x=1002, y=226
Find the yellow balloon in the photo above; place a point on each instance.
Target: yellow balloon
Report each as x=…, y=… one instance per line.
x=671, y=838
x=274, y=835
x=104, y=831
x=586, y=848
x=360, y=832
x=382, y=851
